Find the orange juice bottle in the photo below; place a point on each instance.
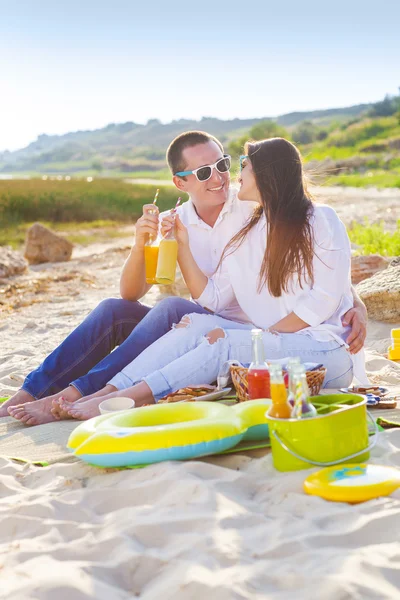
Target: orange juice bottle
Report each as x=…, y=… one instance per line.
x=280, y=408
x=150, y=260
x=151, y=250
x=167, y=259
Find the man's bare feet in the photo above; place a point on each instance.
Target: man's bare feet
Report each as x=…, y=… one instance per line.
x=20, y=397
x=33, y=413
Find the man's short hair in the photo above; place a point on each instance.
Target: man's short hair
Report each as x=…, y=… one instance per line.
x=183, y=141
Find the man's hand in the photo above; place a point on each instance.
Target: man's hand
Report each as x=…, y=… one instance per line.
x=181, y=233
x=146, y=225
x=357, y=319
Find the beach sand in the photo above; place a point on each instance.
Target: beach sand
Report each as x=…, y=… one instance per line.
x=222, y=528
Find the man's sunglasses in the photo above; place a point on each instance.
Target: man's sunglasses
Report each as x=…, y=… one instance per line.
x=204, y=173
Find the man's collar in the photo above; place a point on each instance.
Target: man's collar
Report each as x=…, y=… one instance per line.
x=193, y=217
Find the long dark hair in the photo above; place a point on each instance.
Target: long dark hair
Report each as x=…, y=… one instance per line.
x=287, y=205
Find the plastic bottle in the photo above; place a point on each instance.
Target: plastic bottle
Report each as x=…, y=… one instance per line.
x=258, y=372
x=394, y=349
x=280, y=408
x=167, y=259
x=302, y=408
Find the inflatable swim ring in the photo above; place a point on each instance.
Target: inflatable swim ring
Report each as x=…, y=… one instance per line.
x=162, y=432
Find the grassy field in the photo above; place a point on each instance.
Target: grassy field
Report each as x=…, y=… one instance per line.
x=74, y=205
x=376, y=178
x=373, y=239
x=77, y=200
x=83, y=232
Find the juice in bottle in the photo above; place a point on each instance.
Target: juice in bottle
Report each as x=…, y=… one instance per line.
x=167, y=259
x=151, y=248
x=258, y=373
x=150, y=259
x=280, y=408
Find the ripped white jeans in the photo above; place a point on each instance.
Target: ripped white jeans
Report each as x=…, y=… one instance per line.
x=185, y=356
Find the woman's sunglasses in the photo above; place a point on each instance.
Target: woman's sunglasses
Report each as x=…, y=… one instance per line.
x=204, y=173
x=242, y=159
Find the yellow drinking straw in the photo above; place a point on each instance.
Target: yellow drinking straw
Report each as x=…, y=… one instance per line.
x=156, y=196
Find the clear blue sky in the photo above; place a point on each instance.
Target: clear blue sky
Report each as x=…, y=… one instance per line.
x=83, y=64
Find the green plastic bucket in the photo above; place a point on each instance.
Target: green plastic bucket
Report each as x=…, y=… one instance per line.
x=336, y=435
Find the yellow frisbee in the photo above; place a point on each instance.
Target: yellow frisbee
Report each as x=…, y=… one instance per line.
x=353, y=482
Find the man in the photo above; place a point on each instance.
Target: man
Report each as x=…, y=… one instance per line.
x=212, y=215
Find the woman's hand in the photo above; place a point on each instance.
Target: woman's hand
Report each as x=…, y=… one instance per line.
x=181, y=232
x=146, y=225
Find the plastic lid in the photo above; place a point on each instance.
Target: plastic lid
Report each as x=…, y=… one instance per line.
x=353, y=482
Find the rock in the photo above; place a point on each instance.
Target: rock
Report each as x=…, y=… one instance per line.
x=381, y=294
x=395, y=261
x=11, y=262
x=363, y=267
x=43, y=245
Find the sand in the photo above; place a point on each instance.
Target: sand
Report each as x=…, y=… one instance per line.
x=221, y=528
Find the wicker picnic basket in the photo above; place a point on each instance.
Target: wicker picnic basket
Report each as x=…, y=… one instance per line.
x=239, y=379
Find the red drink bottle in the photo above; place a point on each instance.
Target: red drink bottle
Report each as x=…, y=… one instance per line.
x=258, y=373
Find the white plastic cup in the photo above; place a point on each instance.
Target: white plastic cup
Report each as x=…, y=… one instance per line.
x=116, y=404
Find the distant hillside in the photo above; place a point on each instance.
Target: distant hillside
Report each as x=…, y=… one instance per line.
x=132, y=148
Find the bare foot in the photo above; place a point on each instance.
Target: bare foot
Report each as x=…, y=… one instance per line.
x=69, y=395
x=90, y=408
x=21, y=397
x=85, y=410
x=33, y=413
x=63, y=404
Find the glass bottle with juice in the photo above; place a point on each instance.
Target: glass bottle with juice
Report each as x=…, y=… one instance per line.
x=280, y=408
x=258, y=372
x=151, y=248
x=150, y=259
x=167, y=259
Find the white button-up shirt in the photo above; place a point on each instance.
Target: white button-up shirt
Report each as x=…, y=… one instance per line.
x=207, y=243
x=321, y=304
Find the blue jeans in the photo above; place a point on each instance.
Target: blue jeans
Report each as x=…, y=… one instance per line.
x=185, y=357
x=87, y=360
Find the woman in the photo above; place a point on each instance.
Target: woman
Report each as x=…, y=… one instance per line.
x=289, y=269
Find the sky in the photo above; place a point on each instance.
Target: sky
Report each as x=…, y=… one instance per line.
x=68, y=66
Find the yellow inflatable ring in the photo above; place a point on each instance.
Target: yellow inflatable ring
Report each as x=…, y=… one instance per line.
x=167, y=432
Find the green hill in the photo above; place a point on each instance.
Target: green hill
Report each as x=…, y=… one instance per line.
x=131, y=148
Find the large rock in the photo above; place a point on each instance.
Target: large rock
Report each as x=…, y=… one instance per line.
x=11, y=262
x=363, y=267
x=43, y=245
x=381, y=294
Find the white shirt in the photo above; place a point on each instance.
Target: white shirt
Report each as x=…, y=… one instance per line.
x=207, y=243
x=321, y=305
